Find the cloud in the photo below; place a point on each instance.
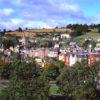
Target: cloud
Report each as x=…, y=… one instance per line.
x=17, y=2
x=97, y=16
x=37, y=24
x=6, y=11
x=50, y=10
x=12, y=23
x=16, y=21
x=40, y=13
x=69, y=7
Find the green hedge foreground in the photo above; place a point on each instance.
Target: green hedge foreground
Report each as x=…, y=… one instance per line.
x=27, y=81
x=79, y=81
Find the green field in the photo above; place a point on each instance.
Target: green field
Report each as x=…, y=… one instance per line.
x=54, y=89
x=94, y=36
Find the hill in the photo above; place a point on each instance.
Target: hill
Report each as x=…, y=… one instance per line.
x=94, y=36
x=33, y=32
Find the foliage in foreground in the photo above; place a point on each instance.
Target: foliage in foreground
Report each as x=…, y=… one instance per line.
x=26, y=83
x=52, y=69
x=79, y=81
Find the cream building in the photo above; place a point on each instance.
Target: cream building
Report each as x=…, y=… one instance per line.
x=72, y=59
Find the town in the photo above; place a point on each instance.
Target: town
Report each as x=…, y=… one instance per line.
x=49, y=49
x=53, y=53
x=53, y=49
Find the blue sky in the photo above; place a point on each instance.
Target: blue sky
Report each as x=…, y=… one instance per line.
x=47, y=13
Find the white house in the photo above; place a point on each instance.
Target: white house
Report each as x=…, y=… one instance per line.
x=98, y=40
x=56, y=46
x=97, y=48
x=55, y=38
x=67, y=36
x=72, y=59
x=22, y=40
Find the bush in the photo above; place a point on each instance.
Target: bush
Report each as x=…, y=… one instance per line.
x=26, y=83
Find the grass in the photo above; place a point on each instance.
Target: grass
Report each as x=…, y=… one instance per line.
x=94, y=36
x=54, y=89
x=50, y=30
x=33, y=32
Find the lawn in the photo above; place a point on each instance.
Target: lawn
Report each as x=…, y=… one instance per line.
x=94, y=36
x=54, y=89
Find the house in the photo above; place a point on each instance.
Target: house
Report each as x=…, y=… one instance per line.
x=98, y=40
x=72, y=59
x=97, y=48
x=22, y=41
x=56, y=46
x=72, y=44
x=39, y=52
x=62, y=57
x=53, y=53
x=16, y=49
x=56, y=38
x=7, y=55
x=67, y=36
x=82, y=55
x=38, y=60
x=11, y=48
x=69, y=59
x=93, y=57
x=22, y=52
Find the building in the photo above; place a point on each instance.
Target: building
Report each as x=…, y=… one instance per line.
x=82, y=56
x=72, y=59
x=56, y=38
x=93, y=57
x=97, y=48
x=67, y=36
x=22, y=41
x=68, y=59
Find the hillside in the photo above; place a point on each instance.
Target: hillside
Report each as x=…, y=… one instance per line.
x=94, y=36
x=49, y=30
x=33, y=32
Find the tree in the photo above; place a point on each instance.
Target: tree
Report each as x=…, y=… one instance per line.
x=26, y=28
x=98, y=30
x=78, y=81
x=51, y=70
x=69, y=26
x=7, y=43
x=78, y=29
x=5, y=71
x=56, y=27
x=60, y=65
x=89, y=42
x=43, y=43
x=2, y=33
x=26, y=83
x=20, y=29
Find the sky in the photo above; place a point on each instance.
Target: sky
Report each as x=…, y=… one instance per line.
x=47, y=13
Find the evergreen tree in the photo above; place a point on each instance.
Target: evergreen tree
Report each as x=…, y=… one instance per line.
x=26, y=83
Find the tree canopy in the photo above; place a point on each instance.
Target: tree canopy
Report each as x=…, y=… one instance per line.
x=79, y=81
x=26, y=83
